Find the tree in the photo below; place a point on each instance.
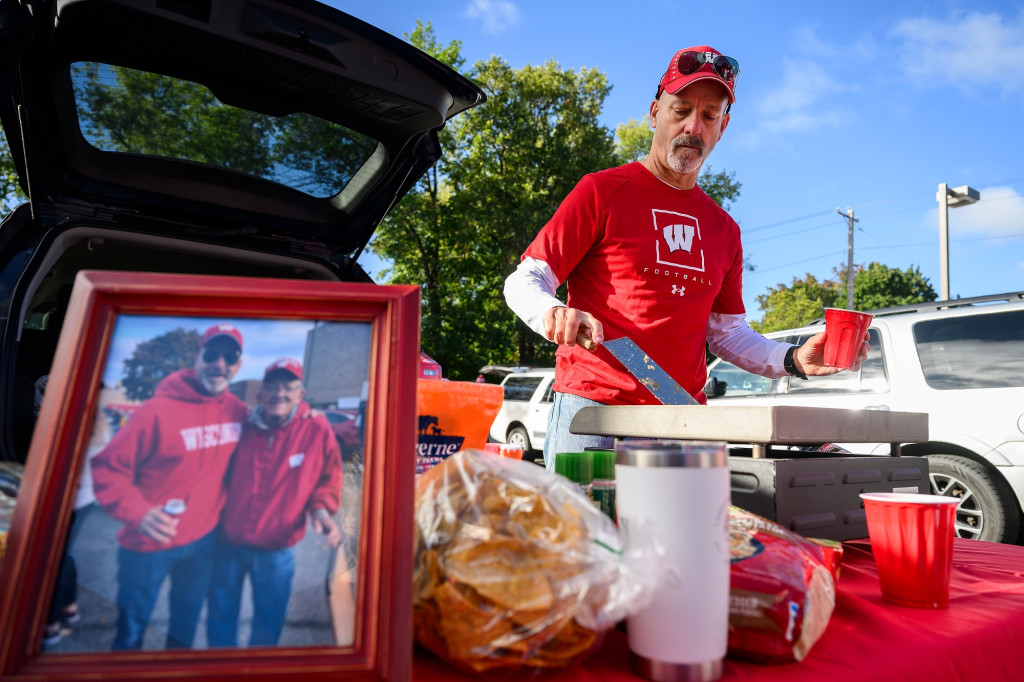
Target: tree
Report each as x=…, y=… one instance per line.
x=508, y=164
x=796, y=305
x=875, y=286
x=878, y=286
x=152, y=360
x=633, y=140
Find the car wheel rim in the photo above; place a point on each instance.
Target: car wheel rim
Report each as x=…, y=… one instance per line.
x=517, y=440
x=970, y=520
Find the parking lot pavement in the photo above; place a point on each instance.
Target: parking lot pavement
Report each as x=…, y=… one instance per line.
x=95, y=553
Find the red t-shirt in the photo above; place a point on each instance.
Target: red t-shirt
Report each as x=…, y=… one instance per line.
x=651, y=262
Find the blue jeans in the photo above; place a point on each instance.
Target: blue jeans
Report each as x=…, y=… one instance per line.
x=270, y=573
x=559, y=439
x=139, y=577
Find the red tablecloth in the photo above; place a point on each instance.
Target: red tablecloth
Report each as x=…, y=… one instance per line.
x=979, y=637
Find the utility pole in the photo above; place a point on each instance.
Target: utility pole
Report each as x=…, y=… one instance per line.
x=849, y=258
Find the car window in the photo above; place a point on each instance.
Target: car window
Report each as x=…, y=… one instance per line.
x=521, y=388
x=870, y=379
x=739, y=382
x=549, y=394
x=297, y=149
x=972, y=351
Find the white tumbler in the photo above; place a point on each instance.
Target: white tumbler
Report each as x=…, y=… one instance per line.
x=679, y=490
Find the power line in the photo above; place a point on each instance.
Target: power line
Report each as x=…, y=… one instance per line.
x=957, y=241
x=1008, y=182
x=876, y=248
x=806, y=260
x=787, y=234
x=786, y=222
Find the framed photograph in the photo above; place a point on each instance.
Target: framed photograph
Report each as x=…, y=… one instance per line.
x=220, y=485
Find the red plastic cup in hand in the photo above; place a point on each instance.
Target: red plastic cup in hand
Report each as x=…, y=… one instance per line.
x=844, y=334
x=912, y=540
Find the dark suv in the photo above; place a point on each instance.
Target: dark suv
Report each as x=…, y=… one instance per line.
x=234, y=137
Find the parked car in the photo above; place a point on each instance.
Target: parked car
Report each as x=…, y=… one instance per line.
x=305, y=126
x=961, y=362
x=523, y=418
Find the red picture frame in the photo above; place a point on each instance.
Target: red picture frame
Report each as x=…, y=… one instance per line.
x=380, y=646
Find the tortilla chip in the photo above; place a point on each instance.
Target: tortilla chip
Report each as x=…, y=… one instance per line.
x=501, y=567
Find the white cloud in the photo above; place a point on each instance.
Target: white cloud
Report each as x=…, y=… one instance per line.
x=796, y=105
x=495, y=15
x=964, y=51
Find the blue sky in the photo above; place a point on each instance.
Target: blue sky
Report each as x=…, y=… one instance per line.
x=865, y=105
x=277, y=339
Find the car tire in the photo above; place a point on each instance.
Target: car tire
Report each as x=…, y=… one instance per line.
x=518, y=437
x=987, y=509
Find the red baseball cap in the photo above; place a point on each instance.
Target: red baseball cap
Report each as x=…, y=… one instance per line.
x=222, y=329
x=290, y=365
x=673, y=81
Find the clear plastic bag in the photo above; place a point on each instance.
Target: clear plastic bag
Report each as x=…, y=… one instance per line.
x=515, y=566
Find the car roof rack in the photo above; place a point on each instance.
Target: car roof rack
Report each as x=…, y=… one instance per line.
x=925, y=306
x=504, y=369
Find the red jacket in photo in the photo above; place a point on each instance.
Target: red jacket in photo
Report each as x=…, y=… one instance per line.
x=177, y=444
x=278, y=476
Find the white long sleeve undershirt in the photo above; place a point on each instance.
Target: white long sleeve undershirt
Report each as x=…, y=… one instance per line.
x=530, y=292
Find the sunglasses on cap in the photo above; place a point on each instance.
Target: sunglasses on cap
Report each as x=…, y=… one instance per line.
x=210, y=355
x=725, y=67
x=690, y=62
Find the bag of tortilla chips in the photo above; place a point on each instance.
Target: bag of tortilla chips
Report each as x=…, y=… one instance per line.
x=515, y=567
x=781, y=589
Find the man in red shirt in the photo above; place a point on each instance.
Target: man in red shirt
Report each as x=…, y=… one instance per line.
x=287, y=468
x=648, y=255
x=162, y=475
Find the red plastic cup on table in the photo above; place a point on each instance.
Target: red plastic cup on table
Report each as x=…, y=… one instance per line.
x=511, y=451
x=912, y=540
x=844, y=334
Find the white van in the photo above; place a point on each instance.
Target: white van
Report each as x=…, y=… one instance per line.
x=523, y=417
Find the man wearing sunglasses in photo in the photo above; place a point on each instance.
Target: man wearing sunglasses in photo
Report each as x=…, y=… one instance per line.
x=162, y=476
x=648, y=255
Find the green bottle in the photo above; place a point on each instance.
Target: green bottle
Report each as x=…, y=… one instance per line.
x=579, y=468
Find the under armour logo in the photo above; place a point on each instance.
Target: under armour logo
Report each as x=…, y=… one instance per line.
x=678, y=289
x=678, y=237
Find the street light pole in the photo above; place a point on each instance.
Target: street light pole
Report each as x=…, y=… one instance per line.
x=950, y=198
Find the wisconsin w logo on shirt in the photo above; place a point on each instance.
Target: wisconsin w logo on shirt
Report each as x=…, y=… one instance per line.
x=677, y=240
x=679, y=237
x=211, y=435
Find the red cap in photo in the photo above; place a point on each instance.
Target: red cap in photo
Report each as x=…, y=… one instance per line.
x=222, y=329
x=294, y=367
